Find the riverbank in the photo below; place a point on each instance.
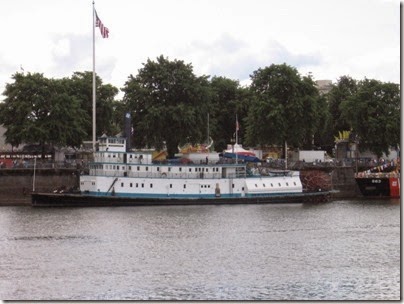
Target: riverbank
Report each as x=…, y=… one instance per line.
x=17, y=184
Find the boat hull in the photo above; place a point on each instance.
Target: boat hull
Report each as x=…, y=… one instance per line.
x=82, y=200
x=388, y=187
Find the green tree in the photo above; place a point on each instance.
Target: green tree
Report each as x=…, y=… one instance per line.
x=228, y=100
x=80, y=85
x=39, y=110
x=284, y=108
x=323, y=134
x=373, y=113
x=341, y=91
x=169, y=104
x=315, y=118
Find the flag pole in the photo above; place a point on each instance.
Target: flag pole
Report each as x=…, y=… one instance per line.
x=94, y=92
x=237, y=129
x=237, y=126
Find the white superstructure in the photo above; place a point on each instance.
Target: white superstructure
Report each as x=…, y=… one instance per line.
x=116, y=172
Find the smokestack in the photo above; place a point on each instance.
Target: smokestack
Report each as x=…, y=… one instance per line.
x=128, y=131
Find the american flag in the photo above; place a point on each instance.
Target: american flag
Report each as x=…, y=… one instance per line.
x=103, y=29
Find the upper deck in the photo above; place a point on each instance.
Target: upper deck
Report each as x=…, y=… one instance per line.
x=112, y=160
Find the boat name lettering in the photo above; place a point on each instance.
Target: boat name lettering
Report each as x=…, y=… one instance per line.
x=376, y=181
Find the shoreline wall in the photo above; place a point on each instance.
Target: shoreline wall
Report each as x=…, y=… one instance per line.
x=17, y=184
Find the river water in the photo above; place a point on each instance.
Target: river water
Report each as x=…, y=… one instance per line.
x=342, y=250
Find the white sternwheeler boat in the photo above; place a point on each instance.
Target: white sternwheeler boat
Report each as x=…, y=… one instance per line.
x=118, y=177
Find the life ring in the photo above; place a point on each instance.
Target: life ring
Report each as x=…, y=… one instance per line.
x=163, y=174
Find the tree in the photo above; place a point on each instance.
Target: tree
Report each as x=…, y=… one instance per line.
x=39, y=110
x=284, y=108
x=373, y=113
x=169, y=104
x=80, y=85
x=228, y=99
x=323, y=134
x=340, y=92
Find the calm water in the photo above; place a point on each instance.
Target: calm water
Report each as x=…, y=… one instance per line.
x=343, y=250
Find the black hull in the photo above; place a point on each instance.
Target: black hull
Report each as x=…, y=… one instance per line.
x=79, y=200
x=376, y=187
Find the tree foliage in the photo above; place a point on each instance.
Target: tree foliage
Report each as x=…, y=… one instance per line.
x=373, y=113
x=285, y=107
x=340, y=92
x=39, y=110
x=57, y=112
x=168, y=104
x=80, y=85
x=228, y=100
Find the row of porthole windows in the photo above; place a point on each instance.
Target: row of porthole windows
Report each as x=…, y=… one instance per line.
x=142, y=185
x=116, y=167
x=279, y=184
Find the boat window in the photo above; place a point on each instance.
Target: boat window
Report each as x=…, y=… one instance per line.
x=131, y=185
x=169, y=169
x=272, y=185
x=142, y=185
x=137, y=185
x=151, y=185
x=294, y=183
x=185, y=186
x=190, y=170
x=138, y=168
x=279, y=184
x=264, y=185
x=121, y=184
x=130, y=168
x=256, y=186
x=147, y=168
x=287, y=184
x=180, y=169
x=233, y=185
x=158, y=169
x=171, y=185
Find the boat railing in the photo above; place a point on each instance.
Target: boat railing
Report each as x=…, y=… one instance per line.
x=377, y=175
x=135, y=174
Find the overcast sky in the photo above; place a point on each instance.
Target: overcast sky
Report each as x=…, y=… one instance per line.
x=230, y=38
